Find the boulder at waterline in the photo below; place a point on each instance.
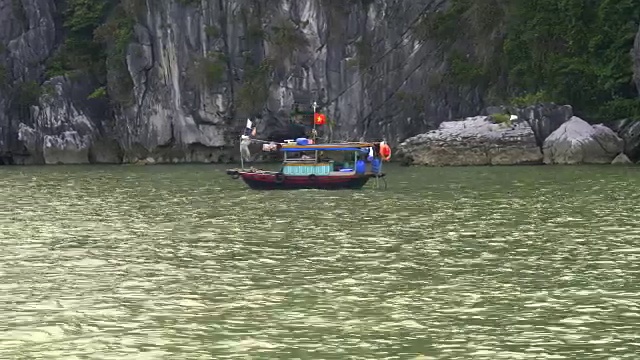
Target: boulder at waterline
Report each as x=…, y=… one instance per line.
x=621, y=159
x=629, y=131
x=578, y=142
x=473, y=141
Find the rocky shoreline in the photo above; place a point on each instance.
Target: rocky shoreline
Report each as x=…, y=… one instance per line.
x=541, y=134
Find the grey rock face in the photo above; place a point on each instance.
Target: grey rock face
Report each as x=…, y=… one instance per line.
x=189, y=74
x=578, y=142
x=172, y=117
x=373, y=76
x=544, y=119
x=27, y=37
x=629, y=131
x=174, y=108
x=474, y=141
x=28, y=29
x=67, y=124
x=66, y=148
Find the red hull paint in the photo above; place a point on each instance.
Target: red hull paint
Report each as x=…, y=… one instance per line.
x=278, y=181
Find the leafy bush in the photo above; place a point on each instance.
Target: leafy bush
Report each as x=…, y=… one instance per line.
x=98, y=93
x=501, y=119
x=530, y=99
x=254, y=91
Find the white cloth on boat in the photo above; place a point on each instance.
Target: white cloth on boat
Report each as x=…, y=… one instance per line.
x=270, y=147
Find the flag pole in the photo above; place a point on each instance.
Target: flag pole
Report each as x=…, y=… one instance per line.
x=315, y=105
x=313, y=133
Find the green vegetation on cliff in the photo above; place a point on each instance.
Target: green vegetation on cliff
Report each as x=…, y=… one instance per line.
x=255, y=90
x=576, y=52
x=567, y=51
x=79, y=51
x=97, y=35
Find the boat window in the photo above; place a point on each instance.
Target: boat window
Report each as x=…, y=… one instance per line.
x=301, y=156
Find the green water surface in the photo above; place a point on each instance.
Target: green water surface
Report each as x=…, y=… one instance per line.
x=182, y=262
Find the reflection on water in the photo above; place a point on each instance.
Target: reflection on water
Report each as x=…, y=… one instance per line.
x=181, y=262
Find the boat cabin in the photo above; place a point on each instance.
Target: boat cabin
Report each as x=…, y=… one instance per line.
x=327, y=159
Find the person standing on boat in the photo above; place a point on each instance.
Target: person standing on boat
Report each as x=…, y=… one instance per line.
x=245, y=140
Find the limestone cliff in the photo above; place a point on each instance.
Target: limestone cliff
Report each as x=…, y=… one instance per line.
x=180, y=77
x=195, y=70
x=28, y=35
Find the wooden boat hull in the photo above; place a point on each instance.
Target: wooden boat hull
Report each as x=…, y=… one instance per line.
x=279, y=181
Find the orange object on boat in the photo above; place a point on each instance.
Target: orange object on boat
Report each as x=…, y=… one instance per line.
x=385, y=151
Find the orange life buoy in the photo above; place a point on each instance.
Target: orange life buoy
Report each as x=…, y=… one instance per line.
x=385, y=151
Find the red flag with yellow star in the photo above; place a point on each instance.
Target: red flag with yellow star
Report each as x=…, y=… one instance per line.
x=319, y=119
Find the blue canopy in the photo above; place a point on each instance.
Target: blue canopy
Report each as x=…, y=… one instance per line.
x=318, y=148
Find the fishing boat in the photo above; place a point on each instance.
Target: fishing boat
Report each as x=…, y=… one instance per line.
x=307, y=165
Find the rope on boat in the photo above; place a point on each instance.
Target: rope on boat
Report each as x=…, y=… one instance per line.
x=244, y=148
x=265, y=141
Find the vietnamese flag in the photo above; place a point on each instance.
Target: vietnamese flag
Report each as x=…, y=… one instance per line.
x=319, y=119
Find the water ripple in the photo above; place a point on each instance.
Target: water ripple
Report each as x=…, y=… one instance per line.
x=452, y=263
